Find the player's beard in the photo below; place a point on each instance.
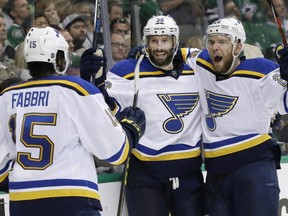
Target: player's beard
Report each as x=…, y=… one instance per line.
x=164, y=62
x=226, y=65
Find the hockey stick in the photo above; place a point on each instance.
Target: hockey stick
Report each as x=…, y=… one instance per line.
x=278, y=21
x=97, y=21
x=97, y=24
x=136, y=81
x=125, y=169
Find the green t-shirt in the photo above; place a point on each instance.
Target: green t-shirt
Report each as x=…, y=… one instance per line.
x=15, y=35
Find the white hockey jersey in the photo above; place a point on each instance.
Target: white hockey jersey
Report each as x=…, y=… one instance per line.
x=237, y=110
x=51, y=128
x=170, y=101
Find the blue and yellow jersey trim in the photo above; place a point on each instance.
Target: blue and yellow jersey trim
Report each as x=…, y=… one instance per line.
x=126, y=69
x=171, y=152
x=250, y=68
x=76, y=84
x=233, y=145
x=20, y=191
x=5, y=171
x=121, y=155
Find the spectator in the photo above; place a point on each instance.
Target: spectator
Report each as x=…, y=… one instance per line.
x=46, y=175
x=259, y=33
x=115, y=10
x=19, y=11
x=76, y=26
x=8, y=71
x=86, y=9
x=3, y=10
x=7, y=55
x=271, y=22
x=195, y=42
x=50, y=12
x=118, y=46
x=64, y=8
x=120, y=25
x=69, y=39
x=7, y=52
x=188, y=15
x=40, y=20
x=74, y=66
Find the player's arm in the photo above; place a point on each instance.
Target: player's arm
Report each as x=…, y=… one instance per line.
x=281, y=56
x=93, y=63
x=103, y=135
x=6, y=161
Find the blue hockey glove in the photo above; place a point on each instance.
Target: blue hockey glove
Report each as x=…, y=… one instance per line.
x=135, y=52
x=93, y=63
x=133, y=120
x=281, y=56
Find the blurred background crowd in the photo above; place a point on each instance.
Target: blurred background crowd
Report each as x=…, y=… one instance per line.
x=75, y=20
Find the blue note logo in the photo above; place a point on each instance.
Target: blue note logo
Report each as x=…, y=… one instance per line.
x=218, y=105
x=179, y=105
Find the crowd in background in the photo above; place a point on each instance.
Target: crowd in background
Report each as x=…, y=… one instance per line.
x=75, y=20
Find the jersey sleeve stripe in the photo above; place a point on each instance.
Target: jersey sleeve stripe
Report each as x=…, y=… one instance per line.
x=5, y=171
x=121, y=156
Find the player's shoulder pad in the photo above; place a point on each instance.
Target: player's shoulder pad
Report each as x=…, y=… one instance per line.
x=124, y=67
x=74, y=83
x=79, y=85
x=259, y=65
x=188, y=53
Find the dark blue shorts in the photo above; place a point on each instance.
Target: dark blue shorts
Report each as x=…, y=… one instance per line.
x=157, y=196
x=248, y=191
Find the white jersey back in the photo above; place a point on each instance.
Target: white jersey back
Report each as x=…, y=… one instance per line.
x=57, y=124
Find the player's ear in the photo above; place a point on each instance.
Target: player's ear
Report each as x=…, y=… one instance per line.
x=238, y=48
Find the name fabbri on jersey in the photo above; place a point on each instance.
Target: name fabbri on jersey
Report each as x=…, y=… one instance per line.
x=31, y=98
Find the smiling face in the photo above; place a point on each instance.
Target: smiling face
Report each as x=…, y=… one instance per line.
x=220, y=49
x=160, y=48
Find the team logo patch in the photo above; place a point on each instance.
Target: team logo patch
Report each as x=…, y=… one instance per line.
x=108, y=84
x=194, y=54
x=218, y=105
x=179, y=105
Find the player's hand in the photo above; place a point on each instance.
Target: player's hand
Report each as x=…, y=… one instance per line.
x=93, y=63
x=135, y=52
x=133, y=120
x=281, y=56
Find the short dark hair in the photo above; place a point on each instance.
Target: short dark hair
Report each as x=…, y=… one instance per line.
x=40, y=69
x=118, y=20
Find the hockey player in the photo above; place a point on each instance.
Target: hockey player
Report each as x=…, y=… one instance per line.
x=164, y=174
x=51, y=126
x=238, y=97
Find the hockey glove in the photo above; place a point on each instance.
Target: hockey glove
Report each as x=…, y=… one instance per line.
x=133, y=121
x=93, y=63
x=281, y=56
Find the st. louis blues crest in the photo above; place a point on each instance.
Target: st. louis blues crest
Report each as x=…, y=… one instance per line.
x=218, y=105
x=179, y=105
